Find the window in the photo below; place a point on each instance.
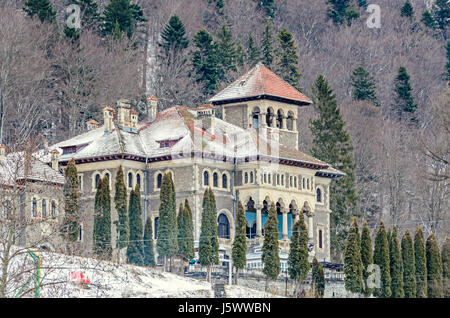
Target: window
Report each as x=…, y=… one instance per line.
x=44, y=208
x=159, y=181
x=270, y=178
x=255, y=120
x=156, y=227
x=107, y=176
x=80, y=233
x=278, y=179
x=215, y=180
x=251, y=177
x=138, y=180
x=246, y=178
x=53, y=209
x=303, y=183
x=80, y=183
x=206, y=178
x=319, y=195
x=97, y=179
x=34, y=207
x=320, y=239
x=223, y=229
x=282, y=179
x=130, y=180
x=307, y=183
x=290, y=181
x=224, y=181
x=295, y=182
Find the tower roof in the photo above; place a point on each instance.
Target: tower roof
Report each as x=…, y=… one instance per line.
x=260, y=83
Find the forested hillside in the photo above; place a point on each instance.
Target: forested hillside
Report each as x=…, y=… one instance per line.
x=390, y=83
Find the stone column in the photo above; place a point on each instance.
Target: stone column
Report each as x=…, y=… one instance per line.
x=310, y=226
x=296, y=216
x=258, y=220
x=294, y=123
x=283, y=122
x=285, y=224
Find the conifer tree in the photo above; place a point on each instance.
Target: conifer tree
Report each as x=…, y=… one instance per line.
x=227, y=51
x=396, y=266
x=381, y=258
x=268, y=6
x=298, y=265
x=267, y=50
x=167, y=222
x=102, y=220
x=252, y=51
x=409, y=268
x=438, y=17
x=434, y=268
x=403, y=93
x=89, y=18
x=352, y=260
x=185, y=232
x=341, y=11
x=332, y=144
x=446, y=266
x=121, y=16
x=120, y=200
x=239, y=250
x=41, y=8
x=364, y=86
x=270, y=255
x=135, y=250
x=447, y=66
x=71, y=222
x=420, y=264
x=287, y=58
x=407, y=10
x=174, y=39
x=149, y=253
x=428, y=20
x=366, y=257
x=318, y=279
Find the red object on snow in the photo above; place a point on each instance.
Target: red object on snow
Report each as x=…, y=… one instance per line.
x=79, y=277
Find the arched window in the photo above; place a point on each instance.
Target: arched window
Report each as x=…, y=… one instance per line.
x=206, y=178
x=251, y=177
x=130, y=180
x=290, y=121
x=223, y=229
x=34, y=207
x=278, y=179
x=269, y=117
x=307, y=183
x=44, y=208
x=53, y=209
x=282, y=179
x=303, y=183
x=138, y=180
x=97, y=179
x=215, y=179
x=270, y=178
x=156, y=227
x=295, y=182
x=159, y=181
x=224, y=181
x=280, y=119
x=246, y=178
x=255, y=118
x=319, y=195
x=265, y=177
x=107, y=176
x=251, y=231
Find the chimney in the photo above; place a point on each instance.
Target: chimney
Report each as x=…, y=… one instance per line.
x=2, y=152
x=55, y=159
x=133, y=119
x=92, y=124
x=108, y=116
x=207, y=114
x=123, y=112
x=152, y=107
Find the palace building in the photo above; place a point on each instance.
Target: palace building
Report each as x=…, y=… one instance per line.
x=250, y=155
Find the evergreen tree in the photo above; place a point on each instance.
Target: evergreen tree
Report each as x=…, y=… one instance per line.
x=135, y=250
x=381, y=258
x=403, y=93
x=185, y=232
x=252, y=51
x=121, y=16
x=407, y=10
x=447, y=66
x=71, y=222
x=366, y=257
x=298, y=265
x=267, y=49
x=396, y=266
x=41, y=8
x=428, y=20
x=89, y=18
x=287, y=58
x=420, y=264
x=206, y=62
x=318, y=279
x=149, y=253
x=102, y=220
x=268, y=6
x=239, y=250
x=438, y=17
x=270, y=255
x=167, y=222
x=446, y=266
x=341, y=11
x=226, y=51
x=120, y=200
x=434, y=268
x=174, y=36
x=409, y=268
x=332, y=144
x=352, y=260
x=364, y=86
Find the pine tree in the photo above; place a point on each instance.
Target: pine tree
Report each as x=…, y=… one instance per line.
x=185, y=232
x=71, y=222
x=102, y=220
x=438, y=17
x=403, y=93
x=270, y=256
x=120, y=200
x=396, y=266
x=341, y=11
x=149, y=253
x=174, y=36
x=298, y=265
x=366, y=257
x=267, y=49
x=420, y=264
x=409, y=268
x=381, y=258
x=121, y=16
x=42, y=8
x=428, y=20
x=446, y=266
x=135, y=252
x=364, y=86
x=332, y=144
x=239, y=250
x=88, y=15
x=227, y=51
x=352, y=260
x=318, y=279
x=407, y=10
x=434, y=268
x=167, y=223
x=287, y=58
x=252, y=51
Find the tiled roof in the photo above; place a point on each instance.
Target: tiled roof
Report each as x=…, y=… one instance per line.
x=259, y=81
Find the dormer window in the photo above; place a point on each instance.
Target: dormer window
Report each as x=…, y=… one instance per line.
x=72, y=149
x=168, y=143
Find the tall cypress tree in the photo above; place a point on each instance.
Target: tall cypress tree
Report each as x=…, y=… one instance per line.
x=404, y=101
x=420, y=264
x=121, y=16
x=434, y=268
x=407, y=10
x=174, y=37
x=135, y=251
x=71, y=222
x=396, y=266
x=352, y=260
x=332, y=144
x=252, y=51
x=317, y=279
x=239, y=250
x=270, y=255
x=287, y=58
x=102, y=220
x=366, y=257
x=446, y=266
x=267, y=50
x=298, y=265
x=149, y=253
x=364, y=86
x=409, y=268
x=381, y=258
x=167, y=222
x=120, y=200
x=41, y=8
x=185, y=232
